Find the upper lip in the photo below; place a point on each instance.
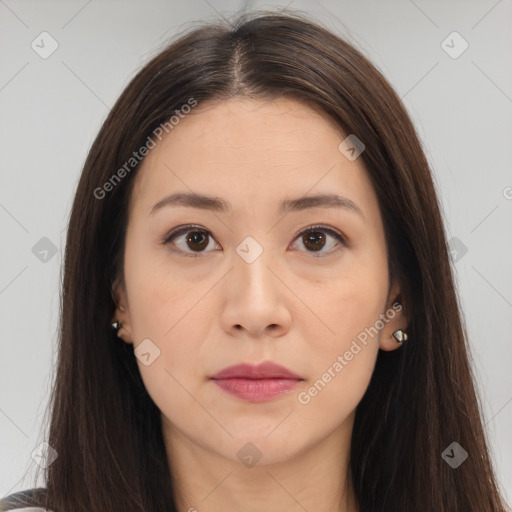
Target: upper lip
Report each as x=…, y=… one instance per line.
x=266, y=370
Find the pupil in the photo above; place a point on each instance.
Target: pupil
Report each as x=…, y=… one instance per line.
x=195, y=238
x=314, y=238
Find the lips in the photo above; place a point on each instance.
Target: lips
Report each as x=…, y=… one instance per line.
x=266, y=370
x=259, y=383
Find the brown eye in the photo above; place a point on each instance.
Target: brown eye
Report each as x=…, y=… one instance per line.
x=195, y=240
x=316, y=238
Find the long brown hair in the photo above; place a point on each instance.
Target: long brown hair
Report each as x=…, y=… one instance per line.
x=421, y=398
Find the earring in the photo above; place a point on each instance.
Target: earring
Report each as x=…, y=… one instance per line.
x=116, y=325
x=400, y=336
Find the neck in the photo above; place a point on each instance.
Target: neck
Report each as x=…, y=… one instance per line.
x=316, y=479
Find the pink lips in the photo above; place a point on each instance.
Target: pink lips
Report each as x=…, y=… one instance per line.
x=256, y=383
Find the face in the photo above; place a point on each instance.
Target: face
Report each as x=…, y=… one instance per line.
x=305, y=287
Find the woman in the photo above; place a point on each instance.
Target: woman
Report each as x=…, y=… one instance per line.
x=258, y=223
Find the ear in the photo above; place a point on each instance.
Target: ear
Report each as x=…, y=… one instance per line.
x=396, y=319
x=122, y=312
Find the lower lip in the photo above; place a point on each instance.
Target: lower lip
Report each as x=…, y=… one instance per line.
x=256, y=390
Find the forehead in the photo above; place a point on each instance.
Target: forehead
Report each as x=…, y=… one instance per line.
x=260, y=148
x=243, y=127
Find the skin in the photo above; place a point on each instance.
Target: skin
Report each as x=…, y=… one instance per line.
x=287, y=306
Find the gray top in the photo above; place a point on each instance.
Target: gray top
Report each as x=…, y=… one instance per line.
x=29, y=500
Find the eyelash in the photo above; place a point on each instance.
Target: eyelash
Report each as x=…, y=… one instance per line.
x=319, y=228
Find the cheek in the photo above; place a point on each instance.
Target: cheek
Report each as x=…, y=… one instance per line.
x=344, y=346
x=330, y=399
x=343, y=361
x=350, y=301
x=170, y=317
x=167, y=311
x=159, y=298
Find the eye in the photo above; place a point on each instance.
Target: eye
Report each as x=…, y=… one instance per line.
x=315, y=238
x=197, y=239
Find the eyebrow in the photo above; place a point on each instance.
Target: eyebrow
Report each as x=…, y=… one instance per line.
x=216, y=204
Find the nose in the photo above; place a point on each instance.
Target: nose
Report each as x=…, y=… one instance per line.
x=256, y=299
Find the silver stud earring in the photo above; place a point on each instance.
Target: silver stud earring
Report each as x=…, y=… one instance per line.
x=116, y=325
x=400, y=336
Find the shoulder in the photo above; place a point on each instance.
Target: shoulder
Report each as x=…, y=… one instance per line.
x=27, y=509
x=29, y=500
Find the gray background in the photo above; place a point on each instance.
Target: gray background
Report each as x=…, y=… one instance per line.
x=51, y=110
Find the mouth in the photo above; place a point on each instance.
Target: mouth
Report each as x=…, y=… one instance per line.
x=257, y=390
x=259, y=383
